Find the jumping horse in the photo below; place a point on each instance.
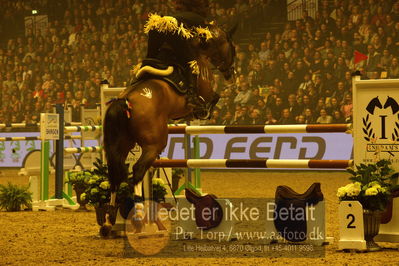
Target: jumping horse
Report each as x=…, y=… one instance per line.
x=141, y=115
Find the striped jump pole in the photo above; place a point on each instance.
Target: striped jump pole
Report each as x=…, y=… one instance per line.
x=34, y=138
x=256, y=129
x=25, y=125
x=82, y=128
x=83, y=149
x=254, y=163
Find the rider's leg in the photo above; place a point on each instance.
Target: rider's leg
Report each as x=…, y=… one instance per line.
x=185, y=56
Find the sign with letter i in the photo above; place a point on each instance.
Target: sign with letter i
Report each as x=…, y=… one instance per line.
x=49, y=126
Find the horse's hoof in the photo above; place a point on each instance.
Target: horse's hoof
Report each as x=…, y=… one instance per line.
x=112, y=212
x=105, y=230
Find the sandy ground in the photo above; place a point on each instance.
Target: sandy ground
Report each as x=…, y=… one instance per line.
x=64, y=236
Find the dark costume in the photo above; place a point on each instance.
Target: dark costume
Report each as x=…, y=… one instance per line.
x=169, y=40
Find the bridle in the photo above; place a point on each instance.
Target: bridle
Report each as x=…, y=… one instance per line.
x=221, y=65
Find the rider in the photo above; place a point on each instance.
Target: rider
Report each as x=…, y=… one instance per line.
x=169, y=40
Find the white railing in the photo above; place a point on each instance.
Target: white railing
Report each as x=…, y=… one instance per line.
x=296, y=7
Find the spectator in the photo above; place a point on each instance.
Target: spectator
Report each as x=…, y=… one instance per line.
x=255, y=117
x=347, y=106
x=227, y=119
x=255, y=97
x=293, y=106
x=92, y=99
x=337, y=118
x=332, y=106
x=393, y=70
x=277, y=108
x=286, y=117
x=309, y=118
x=324, y=118
x=373, y=59
x=215, y=119
x=264, y=53
x=241, y=117
x=243, y=95
x=270, y=120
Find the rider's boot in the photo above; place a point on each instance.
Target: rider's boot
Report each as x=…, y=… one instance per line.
x=195, y=101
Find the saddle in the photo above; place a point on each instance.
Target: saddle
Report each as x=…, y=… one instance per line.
x=208, y=212
x=173, y=74
x=294, y=228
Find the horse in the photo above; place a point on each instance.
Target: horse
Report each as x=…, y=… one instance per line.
x=141, y=116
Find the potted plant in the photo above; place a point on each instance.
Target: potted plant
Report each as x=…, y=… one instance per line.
x=98, y=191
x=372, y=185
x=158, y=190
x=79, y=181
x=13, y=197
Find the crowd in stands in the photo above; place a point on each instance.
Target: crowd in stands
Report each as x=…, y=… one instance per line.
x=300, y=74
x=303, y=73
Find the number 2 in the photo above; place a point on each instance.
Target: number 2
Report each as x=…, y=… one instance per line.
x=352, y=221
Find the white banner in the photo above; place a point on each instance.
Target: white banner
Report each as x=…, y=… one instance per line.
x=376, y=123
x=332, y=146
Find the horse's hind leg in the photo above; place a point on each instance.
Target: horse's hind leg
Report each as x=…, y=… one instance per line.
x=147, y=158
x=116, y=157
x=152, y=143
x=149, y=154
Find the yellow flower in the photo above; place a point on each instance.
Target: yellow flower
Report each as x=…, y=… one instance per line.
x=350, y=190
x=105, y=185
x=123, y=184
x=375, y=184
x=83, y=196
x=371, y=191
x=92, y=181
x=94, y=191
x=341, y=192
x=157, y=181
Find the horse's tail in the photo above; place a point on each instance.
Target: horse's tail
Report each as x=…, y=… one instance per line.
x=115, y=135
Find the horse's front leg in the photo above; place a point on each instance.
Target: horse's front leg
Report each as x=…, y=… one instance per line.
x=211, y=105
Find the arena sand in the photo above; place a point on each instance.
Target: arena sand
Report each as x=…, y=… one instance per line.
x=67, y=237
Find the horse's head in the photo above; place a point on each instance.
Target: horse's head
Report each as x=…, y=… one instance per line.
x=220, y=50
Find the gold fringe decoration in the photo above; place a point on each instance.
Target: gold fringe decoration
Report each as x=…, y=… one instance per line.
x=161, y=24
x=166, y=24
x=204, y=32
x=194, y=67
x=186, y=33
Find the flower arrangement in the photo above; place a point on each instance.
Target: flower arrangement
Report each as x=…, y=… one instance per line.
x=158, y=190
x=78, y=179
x=98, y=191
x=371, y=185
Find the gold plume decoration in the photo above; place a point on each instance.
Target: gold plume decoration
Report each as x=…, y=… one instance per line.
x=194, y=67
x=166, y=24
x=204, y=32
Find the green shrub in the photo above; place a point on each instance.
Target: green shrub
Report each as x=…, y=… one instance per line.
x=13, y=197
